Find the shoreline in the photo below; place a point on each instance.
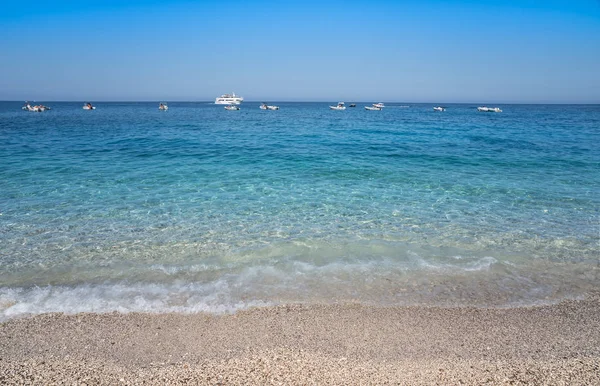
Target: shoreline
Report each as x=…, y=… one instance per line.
x=298, y=344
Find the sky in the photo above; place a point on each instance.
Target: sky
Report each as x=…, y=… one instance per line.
x=528, y=51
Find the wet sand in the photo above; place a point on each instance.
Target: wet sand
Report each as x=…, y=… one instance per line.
x=290, y=345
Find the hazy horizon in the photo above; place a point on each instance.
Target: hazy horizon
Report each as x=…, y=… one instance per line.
x=414, y=51
x=442, y=103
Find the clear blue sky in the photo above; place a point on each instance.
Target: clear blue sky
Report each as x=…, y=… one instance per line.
x=413, y=51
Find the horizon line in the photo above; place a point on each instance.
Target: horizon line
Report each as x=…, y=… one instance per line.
x=295, y=101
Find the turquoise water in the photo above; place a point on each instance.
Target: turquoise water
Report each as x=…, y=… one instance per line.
x=129, y=208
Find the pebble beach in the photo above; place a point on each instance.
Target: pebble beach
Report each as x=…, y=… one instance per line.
x=297, y=344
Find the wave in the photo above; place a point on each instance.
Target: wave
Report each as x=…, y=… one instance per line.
x=460, y=281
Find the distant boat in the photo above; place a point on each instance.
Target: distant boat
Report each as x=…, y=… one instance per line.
x=264, y=106
x=353, y=105
x=380, y=105
x=163, y=107
x=439, y=108
x=340, y=106
x=231, y=107
x=229, y=99
x=374, y=107
x=489, y=109
x=35, y=109
x=88, y=106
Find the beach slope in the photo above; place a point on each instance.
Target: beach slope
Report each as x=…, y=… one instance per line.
x=329, y=344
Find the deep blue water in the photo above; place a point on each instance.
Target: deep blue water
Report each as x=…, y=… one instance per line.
x=201, y=209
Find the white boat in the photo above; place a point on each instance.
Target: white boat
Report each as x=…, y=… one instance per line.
x=229, y=99
x=340, y=106
x=380, y=105
x=439, y=108
x=163, y=107
x=264, y=106
x=373, y=108
x=35, y=109
x=489, y=109
x=88, y=106
x=231, y=107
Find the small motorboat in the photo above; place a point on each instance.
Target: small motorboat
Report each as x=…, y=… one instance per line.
x=35, y=109
x=373, y=108
x=88, y=106
x=231, y=107
x=486, y=109
x=264, y=106
x=353, y=105
x=380, y=105
x=163, y=107
x=340, y=106
x=439, y=108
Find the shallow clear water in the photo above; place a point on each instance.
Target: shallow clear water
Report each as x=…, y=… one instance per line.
x=201, y=209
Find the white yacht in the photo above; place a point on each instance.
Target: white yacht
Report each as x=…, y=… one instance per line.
x=374, y=107
x=439, y=108
x=380, y=105
x=340, y=106
x=489, y=109
x=264, y=106
x=231, y=107
x=229, y=99
x=88, y=106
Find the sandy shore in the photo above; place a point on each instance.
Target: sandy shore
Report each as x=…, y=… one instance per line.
x=291, y=345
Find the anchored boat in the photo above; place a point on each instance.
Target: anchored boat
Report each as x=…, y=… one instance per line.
x=35, y=109
x=229, y=99
x=340, y=106
x=264, y=106
x=489, y=109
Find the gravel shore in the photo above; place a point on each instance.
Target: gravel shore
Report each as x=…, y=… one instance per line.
x=289, y=345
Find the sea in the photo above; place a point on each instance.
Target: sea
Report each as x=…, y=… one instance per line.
x=198, y=209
